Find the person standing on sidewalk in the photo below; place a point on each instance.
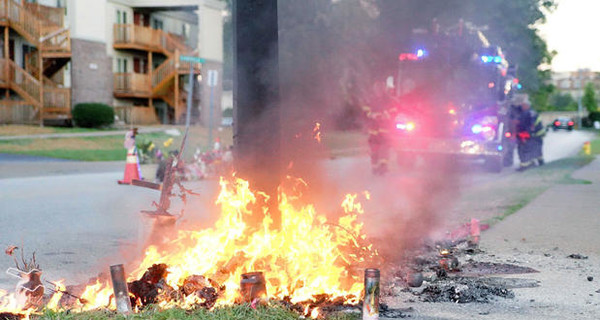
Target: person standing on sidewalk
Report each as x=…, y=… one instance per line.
x=530, y=133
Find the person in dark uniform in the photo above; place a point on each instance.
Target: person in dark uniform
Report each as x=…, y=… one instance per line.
x=379, y=113
x=530, y=133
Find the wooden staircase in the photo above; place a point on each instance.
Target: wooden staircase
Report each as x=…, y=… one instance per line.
x=161, y=82
x=42, y=27
x=166, y=83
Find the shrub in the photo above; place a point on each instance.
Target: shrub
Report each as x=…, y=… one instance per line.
x=228, y=113
x=594, y=116
x=93, y=115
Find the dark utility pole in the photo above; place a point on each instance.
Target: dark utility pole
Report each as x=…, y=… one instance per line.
x=257, y=127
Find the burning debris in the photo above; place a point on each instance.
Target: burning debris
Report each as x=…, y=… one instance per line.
x=152, y=288
x=10, y=316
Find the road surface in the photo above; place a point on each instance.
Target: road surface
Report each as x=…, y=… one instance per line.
x=79, y=221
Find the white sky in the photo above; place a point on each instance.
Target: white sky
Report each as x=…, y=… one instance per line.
x=573, y=30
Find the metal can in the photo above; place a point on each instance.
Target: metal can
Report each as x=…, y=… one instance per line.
x=371, y=298
x=123, y=302
x=253, y=286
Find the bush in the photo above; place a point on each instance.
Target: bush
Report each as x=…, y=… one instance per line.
x=588, y=121
x=93, y=115
x=228, y=113
x=594, y=116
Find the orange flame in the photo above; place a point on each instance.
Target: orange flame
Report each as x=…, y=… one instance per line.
x=317, y=132
x=307, y=255
x=10, y=304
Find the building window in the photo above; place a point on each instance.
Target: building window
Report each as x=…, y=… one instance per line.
x=119, y=66
x=118, y=16
x=157, y=24
x=124, y=65
x=124, y=17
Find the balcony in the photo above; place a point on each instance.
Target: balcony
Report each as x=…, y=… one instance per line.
x=132, y=85
x=134, y=37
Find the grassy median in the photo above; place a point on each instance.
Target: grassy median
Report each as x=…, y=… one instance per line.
x=103, y=148
x=240, y=312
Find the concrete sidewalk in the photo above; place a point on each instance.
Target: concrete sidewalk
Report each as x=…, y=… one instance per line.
x=80, y=134
x=563, y=220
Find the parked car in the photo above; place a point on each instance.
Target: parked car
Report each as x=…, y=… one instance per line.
x=563, y=123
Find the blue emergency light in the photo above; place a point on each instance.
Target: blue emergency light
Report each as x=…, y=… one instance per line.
x=494, y=59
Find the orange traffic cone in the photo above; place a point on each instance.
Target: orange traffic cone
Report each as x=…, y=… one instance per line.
x=132, y=167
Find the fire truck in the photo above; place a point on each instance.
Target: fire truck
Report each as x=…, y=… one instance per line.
x=452, y=94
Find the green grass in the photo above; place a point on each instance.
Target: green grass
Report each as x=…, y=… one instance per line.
x=595, y=146
x=239, y=312
x=80, y=155
x=80, y=130
x=105, y=148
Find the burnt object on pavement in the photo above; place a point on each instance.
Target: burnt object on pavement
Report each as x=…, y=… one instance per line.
x=577, y=256
x=464, y=290
x=480, y=268
x=414, y=279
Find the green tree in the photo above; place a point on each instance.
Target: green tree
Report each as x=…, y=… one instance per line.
x=510, y=24
x=589, y=98
x=541, y=98
x=563, y=102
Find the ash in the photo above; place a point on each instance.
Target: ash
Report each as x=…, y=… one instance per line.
x=463, y=290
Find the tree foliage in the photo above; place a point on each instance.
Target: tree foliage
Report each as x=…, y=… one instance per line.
x=563, y=102
x=510, y=24
x=333, y=49
x=589, y=98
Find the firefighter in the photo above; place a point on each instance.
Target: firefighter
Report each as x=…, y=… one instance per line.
x=379, y=114
x=530, y=133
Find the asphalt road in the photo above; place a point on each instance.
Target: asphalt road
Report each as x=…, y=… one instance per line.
x=79, y=222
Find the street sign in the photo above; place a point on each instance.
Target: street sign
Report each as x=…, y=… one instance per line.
x=213, y=78
x=191, y=59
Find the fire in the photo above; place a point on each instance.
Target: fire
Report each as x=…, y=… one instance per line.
x=10, y=304
x=306, y=255
x=317, y=132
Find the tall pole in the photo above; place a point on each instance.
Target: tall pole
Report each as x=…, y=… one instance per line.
x=579, y=113
x=189, y=97
x=256, y=109
x=210, y=116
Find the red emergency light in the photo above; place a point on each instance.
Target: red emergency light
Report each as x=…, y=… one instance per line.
x=571, y=123
x=408, y=56
x=557, y=123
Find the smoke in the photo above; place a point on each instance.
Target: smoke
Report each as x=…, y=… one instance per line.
x=330, y=54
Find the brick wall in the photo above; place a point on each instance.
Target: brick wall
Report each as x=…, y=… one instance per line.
x=91, y=75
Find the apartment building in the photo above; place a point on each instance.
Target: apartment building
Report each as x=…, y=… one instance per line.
x=36, y=50
x=126, y=53
x=574, y=82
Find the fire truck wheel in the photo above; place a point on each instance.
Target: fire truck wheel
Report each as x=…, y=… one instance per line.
x=493, y=164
